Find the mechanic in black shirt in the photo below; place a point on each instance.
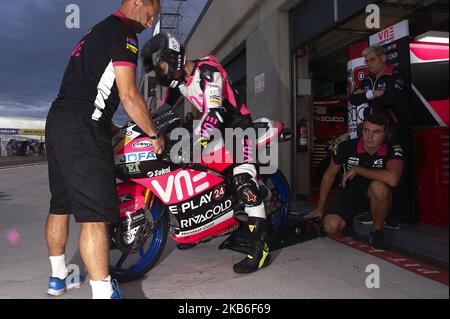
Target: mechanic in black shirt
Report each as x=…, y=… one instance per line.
x=372, y=169
x=101, y=73
x=383, y=88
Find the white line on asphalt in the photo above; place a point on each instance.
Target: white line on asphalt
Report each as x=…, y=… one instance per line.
x=431, y=272
x=6, y=168
x=397, y=260
x=412, y=265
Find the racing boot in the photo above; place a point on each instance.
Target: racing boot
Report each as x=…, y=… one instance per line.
x=260, y=255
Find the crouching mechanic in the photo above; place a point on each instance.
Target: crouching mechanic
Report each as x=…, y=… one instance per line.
x=373, y=168
x=205, y=84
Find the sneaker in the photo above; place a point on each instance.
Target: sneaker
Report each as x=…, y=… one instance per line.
x=364, y=219
x=57, y=287
x=117, y=294
x=391, y=225
x=376, y=239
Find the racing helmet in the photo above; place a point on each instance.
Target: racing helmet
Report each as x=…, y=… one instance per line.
x=164, y=47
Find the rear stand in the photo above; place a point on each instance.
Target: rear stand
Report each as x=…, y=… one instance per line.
x=294, y=231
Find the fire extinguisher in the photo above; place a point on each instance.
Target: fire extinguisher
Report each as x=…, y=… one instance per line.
x=302, y=135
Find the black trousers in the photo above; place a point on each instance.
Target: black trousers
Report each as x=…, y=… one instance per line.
x=403, y=207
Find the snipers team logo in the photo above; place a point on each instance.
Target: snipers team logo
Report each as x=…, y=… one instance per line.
x=132, y=45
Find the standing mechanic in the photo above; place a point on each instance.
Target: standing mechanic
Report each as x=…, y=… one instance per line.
x=101, y=74
x=385, y=88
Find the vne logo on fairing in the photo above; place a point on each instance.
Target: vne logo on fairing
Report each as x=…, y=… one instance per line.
x=183, y=184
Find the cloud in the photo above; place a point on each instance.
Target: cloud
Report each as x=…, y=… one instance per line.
x=21, y=123
x=35, y=47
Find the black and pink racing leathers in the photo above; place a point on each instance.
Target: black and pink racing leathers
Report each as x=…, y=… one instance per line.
x=210, y=91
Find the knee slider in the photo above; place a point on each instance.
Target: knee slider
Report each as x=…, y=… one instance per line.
x=247, y=190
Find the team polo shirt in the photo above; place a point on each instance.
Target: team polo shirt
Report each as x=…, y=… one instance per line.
x=89, y=81
x=352, y=153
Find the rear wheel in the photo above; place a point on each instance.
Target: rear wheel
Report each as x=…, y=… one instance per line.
x=277, y=199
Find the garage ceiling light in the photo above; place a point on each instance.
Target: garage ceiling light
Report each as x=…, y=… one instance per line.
x=434, y=37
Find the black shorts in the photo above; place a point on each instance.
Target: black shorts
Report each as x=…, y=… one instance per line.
x=348, y=204
x=80, y=166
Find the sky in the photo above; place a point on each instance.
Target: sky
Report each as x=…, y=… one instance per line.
x=35, y=46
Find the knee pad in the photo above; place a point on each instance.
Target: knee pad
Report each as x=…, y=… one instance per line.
x=247, y=190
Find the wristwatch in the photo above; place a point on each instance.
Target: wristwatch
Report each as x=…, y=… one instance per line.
x=369, y=95
x=155, y=137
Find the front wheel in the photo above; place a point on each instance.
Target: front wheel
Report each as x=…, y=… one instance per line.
x=126, y=266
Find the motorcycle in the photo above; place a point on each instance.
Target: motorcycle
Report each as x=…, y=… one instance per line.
x=192, y=203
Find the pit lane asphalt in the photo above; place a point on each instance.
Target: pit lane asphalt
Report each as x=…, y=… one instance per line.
x=321, y=268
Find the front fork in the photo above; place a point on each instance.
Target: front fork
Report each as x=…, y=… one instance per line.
x=149, y=199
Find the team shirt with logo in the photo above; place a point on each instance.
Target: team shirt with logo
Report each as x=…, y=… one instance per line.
x=352, y=153
x=89, y=81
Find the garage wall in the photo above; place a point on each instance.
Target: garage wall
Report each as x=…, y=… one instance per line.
x=262, y=27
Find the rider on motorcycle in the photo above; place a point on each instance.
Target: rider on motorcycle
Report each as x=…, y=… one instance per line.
x=205, y=84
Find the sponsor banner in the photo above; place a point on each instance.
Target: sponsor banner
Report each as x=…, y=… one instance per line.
x=197, y=230
x=395, y=41
x=9, y=131
x=357, y=72
x=14, y=131
x=34, y=132
x=201, y=209
x=205, y=217
x=391, y=34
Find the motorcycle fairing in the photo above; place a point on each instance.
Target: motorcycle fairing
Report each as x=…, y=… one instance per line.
x=136, y=160
x=209, y=214
x=131, y=198
x=220, y=226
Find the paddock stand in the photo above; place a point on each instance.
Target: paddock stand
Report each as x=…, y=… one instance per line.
x=295, y=230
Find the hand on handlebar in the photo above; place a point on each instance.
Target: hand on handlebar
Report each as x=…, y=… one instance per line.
x=159, y=145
